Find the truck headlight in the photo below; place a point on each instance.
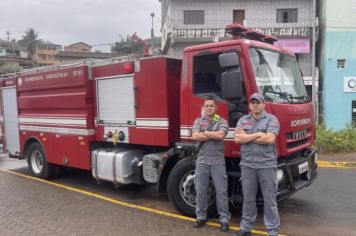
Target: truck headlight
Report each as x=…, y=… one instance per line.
x=280, y=175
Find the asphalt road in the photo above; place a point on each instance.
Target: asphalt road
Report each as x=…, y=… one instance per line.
x=327, y=207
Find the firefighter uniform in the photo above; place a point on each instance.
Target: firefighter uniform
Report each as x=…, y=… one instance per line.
x=258, y=167
x=211, y=162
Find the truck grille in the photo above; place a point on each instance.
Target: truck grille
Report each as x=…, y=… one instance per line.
x=296, y=143
x=300, y=137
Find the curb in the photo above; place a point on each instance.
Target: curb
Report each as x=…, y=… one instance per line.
x=337, y=164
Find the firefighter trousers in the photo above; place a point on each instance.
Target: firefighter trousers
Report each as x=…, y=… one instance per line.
x=219, y=177
x=267, y=179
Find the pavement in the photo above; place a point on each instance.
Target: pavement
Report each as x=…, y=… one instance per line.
x=37, y=208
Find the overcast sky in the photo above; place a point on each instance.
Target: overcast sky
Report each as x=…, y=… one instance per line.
x=69, y=21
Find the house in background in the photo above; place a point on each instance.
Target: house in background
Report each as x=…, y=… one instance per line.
x=82, y=51
x=11, y=56
x=45, y=54
x=337, y=61
x=78, y=47
x=69, y=56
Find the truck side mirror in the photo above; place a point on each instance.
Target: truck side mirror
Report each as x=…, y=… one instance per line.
x=229, y=60
x=231, y=78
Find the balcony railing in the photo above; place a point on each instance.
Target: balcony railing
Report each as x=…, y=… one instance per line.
x=217, y=29
x=209, y=33
x=199, y=33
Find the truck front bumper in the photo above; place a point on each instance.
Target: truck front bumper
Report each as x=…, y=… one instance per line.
x=299, y=172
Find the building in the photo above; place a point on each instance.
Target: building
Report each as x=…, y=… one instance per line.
x=190, y=22
x=78, y=47
x=337, y=61
x=81, y=51
x=45, y=54
x=67, y=56
x=12, y=58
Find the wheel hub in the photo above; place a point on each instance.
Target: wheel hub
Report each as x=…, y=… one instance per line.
x=188, y=192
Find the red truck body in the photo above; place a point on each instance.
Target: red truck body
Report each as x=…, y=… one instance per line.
x=138, y=114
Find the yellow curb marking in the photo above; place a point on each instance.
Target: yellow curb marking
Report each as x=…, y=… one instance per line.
x=121, y=203
x=337, y=164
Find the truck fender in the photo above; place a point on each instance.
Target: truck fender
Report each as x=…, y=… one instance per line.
x=28, y=142
x=166, y=165
x=179, y=151
x=42, y=169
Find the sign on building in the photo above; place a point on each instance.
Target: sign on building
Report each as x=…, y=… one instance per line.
x=296, y=45
x=350, y=84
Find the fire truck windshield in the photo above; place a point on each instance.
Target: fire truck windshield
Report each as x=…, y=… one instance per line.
x=278, y=76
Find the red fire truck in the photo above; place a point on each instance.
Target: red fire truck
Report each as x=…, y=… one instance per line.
x=129, y=121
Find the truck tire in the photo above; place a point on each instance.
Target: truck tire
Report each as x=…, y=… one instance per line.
x=37, y=162
x=181, y=190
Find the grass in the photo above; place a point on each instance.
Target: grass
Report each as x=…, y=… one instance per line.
x=330, y=141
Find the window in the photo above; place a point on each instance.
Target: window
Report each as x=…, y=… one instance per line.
x=207, y=82
x=194, y=17
x=287, y=15
x=278, y=76
x=207, y=75
x=340, y=63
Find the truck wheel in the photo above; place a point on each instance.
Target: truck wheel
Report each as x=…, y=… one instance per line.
x=181, y=190
x=37, y=162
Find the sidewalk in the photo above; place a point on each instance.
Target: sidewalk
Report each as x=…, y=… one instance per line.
x=338, y=157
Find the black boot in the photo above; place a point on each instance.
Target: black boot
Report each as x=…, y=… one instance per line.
x=242, y=233
x=199, y=223
x=224, y=226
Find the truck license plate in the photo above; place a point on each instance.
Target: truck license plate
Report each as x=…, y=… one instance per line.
x=303, y=167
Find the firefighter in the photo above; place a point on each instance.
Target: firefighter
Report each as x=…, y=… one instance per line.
x=257, y=132
x=210, y=130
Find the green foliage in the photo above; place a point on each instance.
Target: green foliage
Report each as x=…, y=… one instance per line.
x=8, y=68
x=330, y=141
x=126, y=46
x=30, y=41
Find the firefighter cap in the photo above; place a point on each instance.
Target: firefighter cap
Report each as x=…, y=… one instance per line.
x=257, y=96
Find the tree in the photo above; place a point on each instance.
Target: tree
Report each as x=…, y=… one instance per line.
x=126, y=46
x=30, y=41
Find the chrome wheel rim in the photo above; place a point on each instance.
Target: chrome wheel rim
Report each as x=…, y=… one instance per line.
x=188, y=192
x=36, y=161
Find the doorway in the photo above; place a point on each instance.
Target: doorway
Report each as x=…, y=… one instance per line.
x=238, y=16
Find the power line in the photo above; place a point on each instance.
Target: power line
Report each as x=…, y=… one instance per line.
x=103, y=44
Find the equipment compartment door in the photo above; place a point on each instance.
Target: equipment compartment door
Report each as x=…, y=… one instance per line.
x=116, y=100
x=11, y=121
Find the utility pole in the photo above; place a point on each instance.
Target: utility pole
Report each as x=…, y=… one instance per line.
x=8, y=35
x=152, y=34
